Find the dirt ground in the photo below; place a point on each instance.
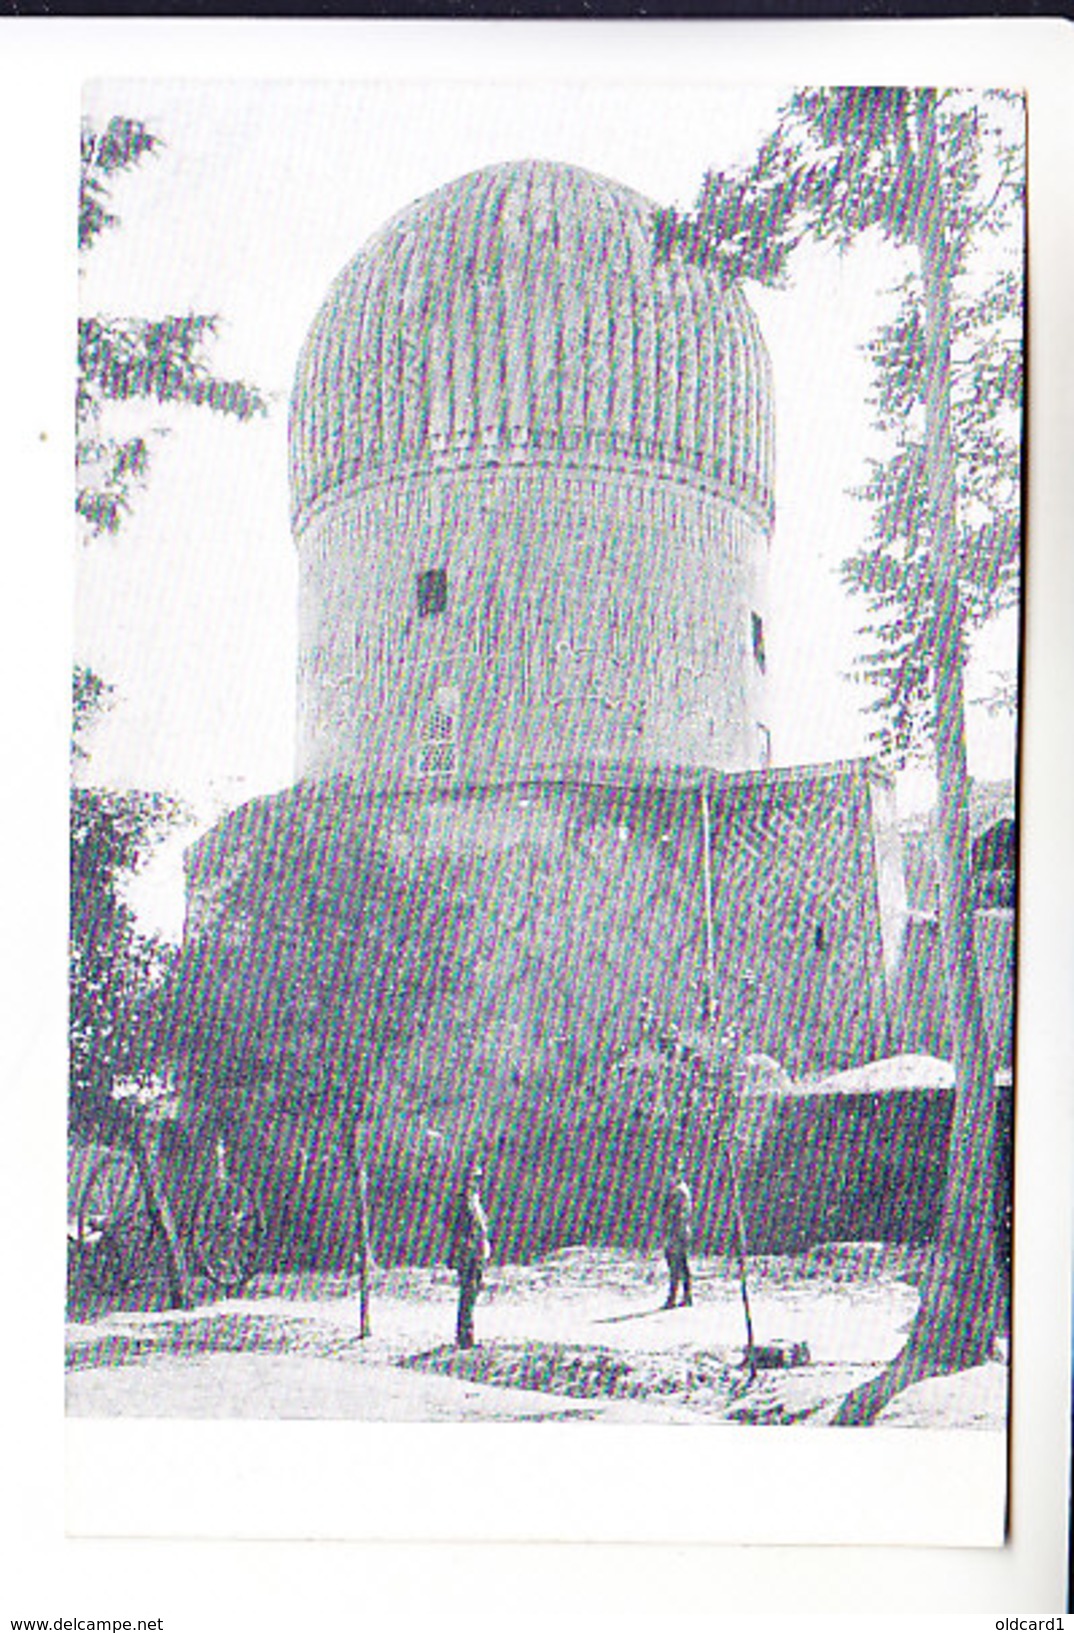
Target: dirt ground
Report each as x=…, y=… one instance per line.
x=580, y=1334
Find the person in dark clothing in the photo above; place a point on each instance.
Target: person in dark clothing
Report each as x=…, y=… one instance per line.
x=469, y=1253
x=678, y=1221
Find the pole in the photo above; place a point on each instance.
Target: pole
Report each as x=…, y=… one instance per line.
x=365, y=1326
x=727, y=1140
x=740, y=1246
x=361, y=1174
x=710, y=938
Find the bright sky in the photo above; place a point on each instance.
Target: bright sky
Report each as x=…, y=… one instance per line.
x=261, y=194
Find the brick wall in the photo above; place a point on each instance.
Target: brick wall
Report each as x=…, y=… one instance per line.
x=593, y=614
x=796, y=905
x=504, y=945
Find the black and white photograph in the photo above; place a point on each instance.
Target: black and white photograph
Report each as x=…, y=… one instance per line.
x=546, y=764
x=544, y=831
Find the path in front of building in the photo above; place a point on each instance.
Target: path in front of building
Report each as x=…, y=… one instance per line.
x=580, y=1335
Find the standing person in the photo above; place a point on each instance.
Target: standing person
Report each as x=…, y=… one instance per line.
x=470, y=1251
x=678, y=1220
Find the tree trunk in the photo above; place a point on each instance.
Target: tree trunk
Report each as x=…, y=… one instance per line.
x=956, y=1316
x=160, y=1209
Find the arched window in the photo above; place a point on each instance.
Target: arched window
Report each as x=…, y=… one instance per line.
x=432, y=587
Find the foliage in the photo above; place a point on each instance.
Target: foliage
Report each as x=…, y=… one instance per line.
x=115, y=970
x=937, y=173
x=161, y=360
x=893, y=568
x=319, y=959
x=843, y=162
x=90, y=696
x=121, y=144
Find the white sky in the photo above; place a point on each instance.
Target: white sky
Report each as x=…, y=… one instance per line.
x=261, y=194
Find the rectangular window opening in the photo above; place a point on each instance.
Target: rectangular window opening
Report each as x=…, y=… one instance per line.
x=432, y=592
x=757, y=631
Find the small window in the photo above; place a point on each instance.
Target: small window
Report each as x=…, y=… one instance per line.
x=766, y=745
x=757, y=632
x=432, y=592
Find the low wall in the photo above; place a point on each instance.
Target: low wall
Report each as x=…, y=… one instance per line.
x=812, y=1167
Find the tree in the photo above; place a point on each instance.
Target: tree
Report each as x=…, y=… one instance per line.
x=117, y=973
x=116, y=970
x=161, y=360
x=936, y=173
x=312, y=956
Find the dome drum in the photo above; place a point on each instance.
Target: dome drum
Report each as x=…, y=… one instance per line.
x=576, y=623
x=505, y=389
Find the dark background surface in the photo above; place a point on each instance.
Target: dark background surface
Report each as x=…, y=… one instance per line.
x=657, y=10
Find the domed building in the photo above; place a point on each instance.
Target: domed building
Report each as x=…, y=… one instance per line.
x=531, y=471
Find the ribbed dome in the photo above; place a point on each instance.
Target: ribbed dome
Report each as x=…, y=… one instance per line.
x=517, y=313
